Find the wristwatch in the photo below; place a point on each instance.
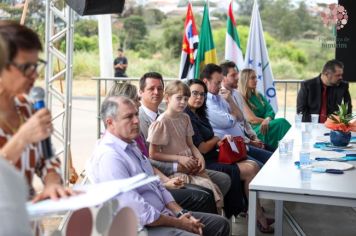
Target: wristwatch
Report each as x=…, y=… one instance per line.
x=182, y=212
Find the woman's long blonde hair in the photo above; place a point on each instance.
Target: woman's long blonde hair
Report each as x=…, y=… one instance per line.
x=243, y=88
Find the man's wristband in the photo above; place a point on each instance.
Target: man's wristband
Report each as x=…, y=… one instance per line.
x=182, y=212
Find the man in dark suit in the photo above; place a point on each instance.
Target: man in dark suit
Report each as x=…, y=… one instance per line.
x=322, y=95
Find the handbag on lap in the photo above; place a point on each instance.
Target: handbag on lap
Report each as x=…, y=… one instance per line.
x=229, y=156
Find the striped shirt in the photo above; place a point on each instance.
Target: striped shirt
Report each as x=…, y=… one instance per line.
x=31, y=161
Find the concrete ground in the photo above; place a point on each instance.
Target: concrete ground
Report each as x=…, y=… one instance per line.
x=314, y=219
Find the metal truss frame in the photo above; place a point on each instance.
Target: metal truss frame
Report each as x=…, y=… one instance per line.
x=59, y=28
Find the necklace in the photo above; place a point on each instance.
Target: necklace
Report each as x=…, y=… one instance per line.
x=9, y=126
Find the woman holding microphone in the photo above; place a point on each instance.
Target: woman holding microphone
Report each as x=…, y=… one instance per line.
x=20, y=130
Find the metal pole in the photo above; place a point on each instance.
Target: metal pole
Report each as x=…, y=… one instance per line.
x=285, y=99
x=98, y=104
x=68, y=98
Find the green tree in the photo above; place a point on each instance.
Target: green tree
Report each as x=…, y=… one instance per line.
x=245, y=7
x=15, y=13
x=308, y=22
x=136, y=31
x=86, y=27
x=173, y=36
x=133, y=11
x=273, y=17
x=35, y=18
x=286, y=22
x=201, y=3
x=153, y=16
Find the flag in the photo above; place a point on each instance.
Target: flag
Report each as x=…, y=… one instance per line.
x=189, y=46
x=256, y=58
x=233, y=50
x=206, y=49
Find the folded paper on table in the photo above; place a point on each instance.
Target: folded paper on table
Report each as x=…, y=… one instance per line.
x=332, y=165
x=330, y=171
x=349, y=149
x=319, y=169
x=326, y=154
x=92, y=195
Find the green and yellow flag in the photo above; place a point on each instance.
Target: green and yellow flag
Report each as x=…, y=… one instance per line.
x=206, y=49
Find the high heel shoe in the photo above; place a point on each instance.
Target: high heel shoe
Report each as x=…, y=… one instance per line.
x=265, y=230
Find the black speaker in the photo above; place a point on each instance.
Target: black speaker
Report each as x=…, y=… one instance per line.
x=95, y=7
x=346, y=41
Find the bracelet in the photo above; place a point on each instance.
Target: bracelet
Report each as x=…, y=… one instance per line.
x=182, y=212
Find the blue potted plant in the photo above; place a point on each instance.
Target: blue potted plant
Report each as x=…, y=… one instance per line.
x=341, y=124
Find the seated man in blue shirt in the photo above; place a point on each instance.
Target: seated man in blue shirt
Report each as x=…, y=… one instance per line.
x=224, y=114
x=117, y=156
x=229, y=82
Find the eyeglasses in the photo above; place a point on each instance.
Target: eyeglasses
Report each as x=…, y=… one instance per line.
x=27, y=69
x=197, y=94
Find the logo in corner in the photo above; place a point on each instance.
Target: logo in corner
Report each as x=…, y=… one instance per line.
x=335, y=15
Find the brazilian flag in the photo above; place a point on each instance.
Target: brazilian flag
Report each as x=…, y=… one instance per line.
x=206, y=50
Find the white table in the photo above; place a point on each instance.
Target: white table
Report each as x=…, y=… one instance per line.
x=280, y=180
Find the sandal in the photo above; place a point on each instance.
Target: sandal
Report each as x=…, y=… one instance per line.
x=265, y=230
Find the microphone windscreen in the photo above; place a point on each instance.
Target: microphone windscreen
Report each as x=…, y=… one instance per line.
x=37, y=94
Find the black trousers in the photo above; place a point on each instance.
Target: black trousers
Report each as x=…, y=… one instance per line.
x=195, y=198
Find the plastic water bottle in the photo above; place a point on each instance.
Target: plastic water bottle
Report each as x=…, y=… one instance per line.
x=305, y=166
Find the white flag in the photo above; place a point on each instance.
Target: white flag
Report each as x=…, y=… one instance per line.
x=256, y=58
x=233, y=50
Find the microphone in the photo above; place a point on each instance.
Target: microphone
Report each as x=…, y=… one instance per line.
x=37, y=95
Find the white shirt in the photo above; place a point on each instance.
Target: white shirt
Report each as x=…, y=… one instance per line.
x=151, y=114
x=14, y=219
x=115, y=159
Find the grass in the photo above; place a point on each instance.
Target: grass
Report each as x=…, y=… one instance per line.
x=86, y=64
